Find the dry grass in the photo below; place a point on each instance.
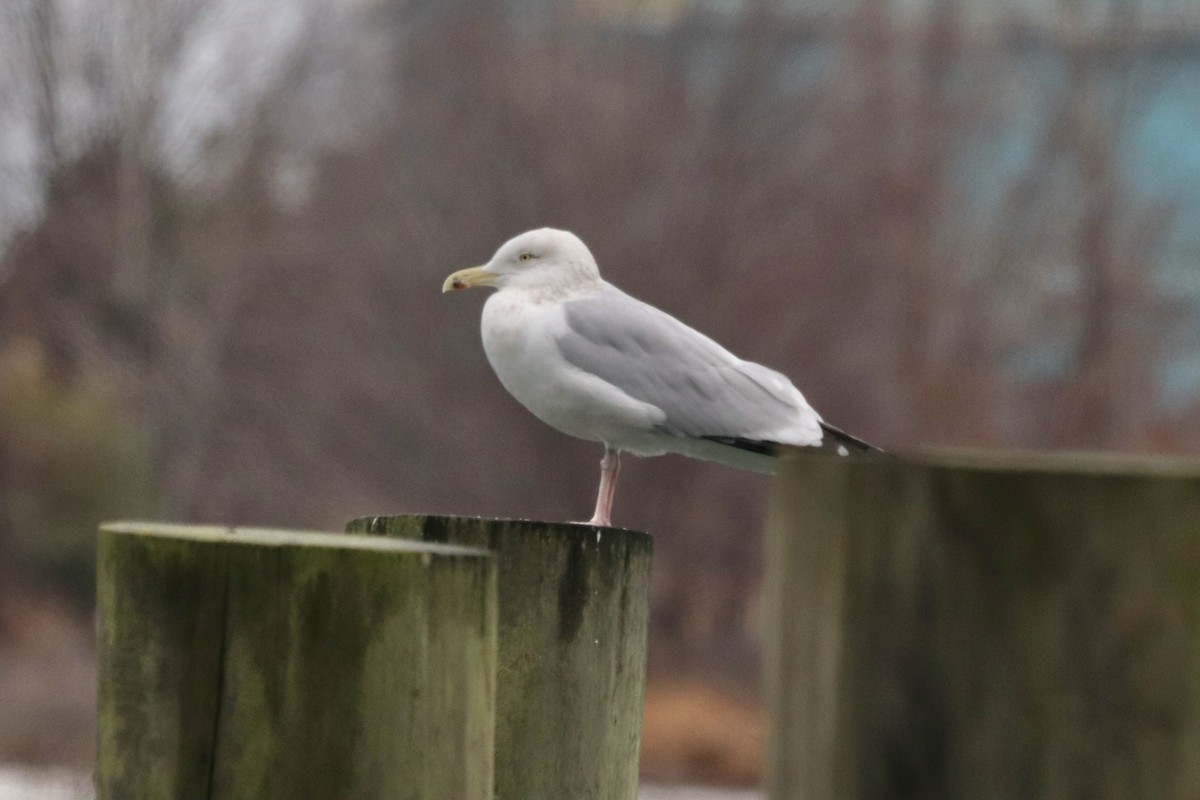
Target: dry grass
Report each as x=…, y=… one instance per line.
x=695, y=732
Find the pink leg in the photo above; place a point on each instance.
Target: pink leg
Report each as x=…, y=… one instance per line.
x=610, y=465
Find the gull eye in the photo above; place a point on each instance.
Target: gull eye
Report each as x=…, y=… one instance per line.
x=525, y=257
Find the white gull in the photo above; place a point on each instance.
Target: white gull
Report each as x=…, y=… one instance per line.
x=595, y=363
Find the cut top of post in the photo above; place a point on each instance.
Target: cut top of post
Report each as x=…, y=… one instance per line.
x=988, y=460
x=274, y=537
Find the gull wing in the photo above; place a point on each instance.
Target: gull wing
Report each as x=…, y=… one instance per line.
x=703, y=390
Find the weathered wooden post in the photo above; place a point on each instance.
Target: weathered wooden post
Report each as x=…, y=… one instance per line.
x=574, y=606
x=259, y=664
x=969, y=626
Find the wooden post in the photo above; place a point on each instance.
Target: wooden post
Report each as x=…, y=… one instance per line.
x=574, y=605
x=970, y=627
x=257, y=664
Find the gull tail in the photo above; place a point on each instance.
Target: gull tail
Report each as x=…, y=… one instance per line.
x=835, y=440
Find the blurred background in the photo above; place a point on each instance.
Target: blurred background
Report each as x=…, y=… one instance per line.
x=224, y=225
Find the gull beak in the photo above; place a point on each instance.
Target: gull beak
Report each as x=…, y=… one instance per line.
x=466, y=278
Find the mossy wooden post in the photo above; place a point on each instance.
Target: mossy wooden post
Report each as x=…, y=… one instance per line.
x=574, y=605
x=984, y=627
x=255, y=664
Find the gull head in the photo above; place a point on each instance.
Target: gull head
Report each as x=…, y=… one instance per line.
x=541, y=259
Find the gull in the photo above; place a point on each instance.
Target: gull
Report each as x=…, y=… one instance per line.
x=595, y=363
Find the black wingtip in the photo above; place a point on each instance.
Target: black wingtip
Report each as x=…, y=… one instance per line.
x=851, y=443
x=833, y=441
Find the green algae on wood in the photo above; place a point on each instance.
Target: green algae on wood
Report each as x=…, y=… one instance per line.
x=574, y=607
x=247, y=663
x=982, y=625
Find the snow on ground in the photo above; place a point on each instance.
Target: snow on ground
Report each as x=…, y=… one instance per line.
x=20, y=783
x=696, y=793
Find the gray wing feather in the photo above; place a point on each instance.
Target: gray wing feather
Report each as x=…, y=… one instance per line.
x=701, y=388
